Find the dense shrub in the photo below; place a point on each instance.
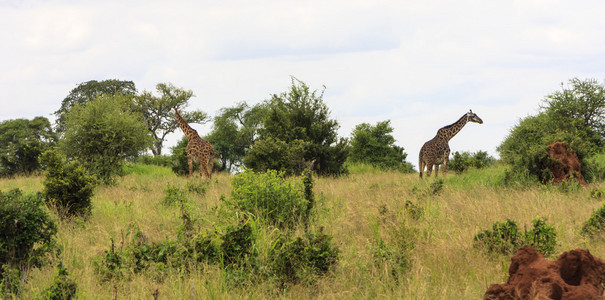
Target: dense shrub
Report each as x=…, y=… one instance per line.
x=67, y=186
x=157, y=160
x=174, y=195
x=303, y=258
x=506, y=238
x=462, y=161
x=271, y=196
x=63, y=287
x=28, y=231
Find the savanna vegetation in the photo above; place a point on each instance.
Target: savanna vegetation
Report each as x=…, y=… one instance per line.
x=85, y=215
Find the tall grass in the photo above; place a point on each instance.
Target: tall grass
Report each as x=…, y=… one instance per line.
x=353, y=209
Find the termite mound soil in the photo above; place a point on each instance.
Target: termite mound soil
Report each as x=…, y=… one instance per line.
x=576, y=274
x=565, y=164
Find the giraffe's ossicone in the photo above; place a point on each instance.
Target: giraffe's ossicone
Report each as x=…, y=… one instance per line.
x=197, y=148
x=437, y=151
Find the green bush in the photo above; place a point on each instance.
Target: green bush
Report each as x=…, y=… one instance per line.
x=28, y=231
x=174, y=195
x=506, y=238
x=10, y=282
x=596, y=222
x=237, y=246
x=67, y=186
x=302, y=258
x=271, y=196
x=462, y=161
x=157, y=160
x=63, y=287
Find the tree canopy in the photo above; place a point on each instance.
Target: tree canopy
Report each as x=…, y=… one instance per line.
x=157, y=112
x=90, y=90
x=21, y=142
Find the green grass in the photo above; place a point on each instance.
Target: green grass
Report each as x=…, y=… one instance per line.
x=353, y=209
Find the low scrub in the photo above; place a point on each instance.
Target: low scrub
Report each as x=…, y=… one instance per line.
x=506, y=238
x=302, y=259
x=28, y=235
x=596, y=223
x=271, y=196
x=67, y=186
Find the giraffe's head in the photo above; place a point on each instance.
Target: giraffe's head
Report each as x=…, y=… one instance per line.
x=472, y=117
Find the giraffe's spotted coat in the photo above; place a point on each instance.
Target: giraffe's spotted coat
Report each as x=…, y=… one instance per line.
x=197, y=148
x=437, y=151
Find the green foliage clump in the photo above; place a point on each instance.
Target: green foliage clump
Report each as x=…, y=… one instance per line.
x=103, y=134
x=506, y=238
x=237, y=246
x=28, y=231
x=21, y=142
x=303, y=258
x=67, y=186
x=375, y=145
x=63, y=287
x=296, y=128
x=174, y=195
x=462, y=161
x=270, y=196
x=596, y=222
x=157, y=160
x=10, y=282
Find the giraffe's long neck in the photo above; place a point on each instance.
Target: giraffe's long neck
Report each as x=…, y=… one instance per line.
x=448, y=132
x=187, y=130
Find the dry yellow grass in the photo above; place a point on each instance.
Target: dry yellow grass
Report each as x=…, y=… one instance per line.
x=351, y=209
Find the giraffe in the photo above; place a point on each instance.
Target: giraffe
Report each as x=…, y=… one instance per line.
x=437, y=151
x=197, y=148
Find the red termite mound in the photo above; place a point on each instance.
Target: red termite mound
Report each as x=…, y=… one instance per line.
x=576, y=274
x=565, y=164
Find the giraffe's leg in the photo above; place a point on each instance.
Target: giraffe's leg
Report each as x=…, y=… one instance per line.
x=429, y=169
x=190, y=166
x=420, y=165
x=436, y=169
x=210, y=166
x=446, y=160
x=202, y=169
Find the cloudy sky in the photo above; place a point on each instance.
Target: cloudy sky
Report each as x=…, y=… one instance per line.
x=420, y=64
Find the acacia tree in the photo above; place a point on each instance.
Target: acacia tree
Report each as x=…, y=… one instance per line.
x=376, y=146
x=90, y=90
x=21, y=142
x=156, y=111
x=295, y=130
x=103, y=134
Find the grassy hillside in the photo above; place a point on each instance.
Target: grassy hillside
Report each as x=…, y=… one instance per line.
x=440, y=219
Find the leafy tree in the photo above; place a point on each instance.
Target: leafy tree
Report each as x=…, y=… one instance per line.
x=21, y=142
x=297, y=123
x=103, y=134
x=234, y=131
x=376, y=146
x=582, y=100
x=90, y=90
x=156, y=111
